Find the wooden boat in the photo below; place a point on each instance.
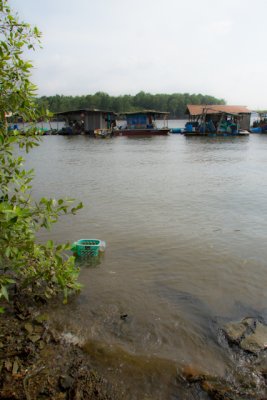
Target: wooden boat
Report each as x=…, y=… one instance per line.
x=215, y=134
x=176, y=130
x=142, y=132
x=103, y=133
x=142, y=123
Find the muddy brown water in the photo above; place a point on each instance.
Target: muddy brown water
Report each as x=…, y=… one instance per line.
x=184, y=220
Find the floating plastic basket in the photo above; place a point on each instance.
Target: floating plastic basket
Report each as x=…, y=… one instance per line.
x=86, y=247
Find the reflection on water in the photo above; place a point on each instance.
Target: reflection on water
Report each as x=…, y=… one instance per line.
x=185, y=224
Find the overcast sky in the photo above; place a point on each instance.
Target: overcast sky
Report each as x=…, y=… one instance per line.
x=215, y=47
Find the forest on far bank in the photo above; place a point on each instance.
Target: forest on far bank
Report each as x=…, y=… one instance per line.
x=174, y=103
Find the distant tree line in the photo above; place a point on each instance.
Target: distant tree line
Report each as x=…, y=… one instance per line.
x=174, y=103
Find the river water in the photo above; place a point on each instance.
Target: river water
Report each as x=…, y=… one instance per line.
x=185, y=223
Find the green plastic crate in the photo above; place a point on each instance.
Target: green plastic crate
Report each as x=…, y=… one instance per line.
x=86, y=247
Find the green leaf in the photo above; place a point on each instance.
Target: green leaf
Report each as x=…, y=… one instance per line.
x=4, y=292
x=50, y=244
x=7, y=252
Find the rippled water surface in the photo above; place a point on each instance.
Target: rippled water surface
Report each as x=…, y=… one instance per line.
x=184, y=220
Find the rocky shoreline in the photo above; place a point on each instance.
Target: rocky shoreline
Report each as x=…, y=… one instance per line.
x=37, y=362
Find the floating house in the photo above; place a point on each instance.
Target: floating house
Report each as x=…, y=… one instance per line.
x=143, y=123
x=217, y=119
x=260, y=124
x=86, y=121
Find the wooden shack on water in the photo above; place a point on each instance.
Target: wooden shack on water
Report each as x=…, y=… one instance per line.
x=86, y=120
x=260, y=123
x=219, y=118
x=143, y=123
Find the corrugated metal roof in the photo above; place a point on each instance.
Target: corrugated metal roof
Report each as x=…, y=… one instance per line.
x=84, y=110
x=146, y=112
x=194, y=109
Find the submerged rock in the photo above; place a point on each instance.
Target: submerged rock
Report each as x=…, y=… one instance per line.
x=219, y=390
x=249, y=334
x=256, y=341
x=235, y=331
x=193, y=374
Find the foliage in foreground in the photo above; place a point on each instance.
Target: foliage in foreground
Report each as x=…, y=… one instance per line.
x=41, y=269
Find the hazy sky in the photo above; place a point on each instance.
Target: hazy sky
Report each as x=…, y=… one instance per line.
x=215, y=47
